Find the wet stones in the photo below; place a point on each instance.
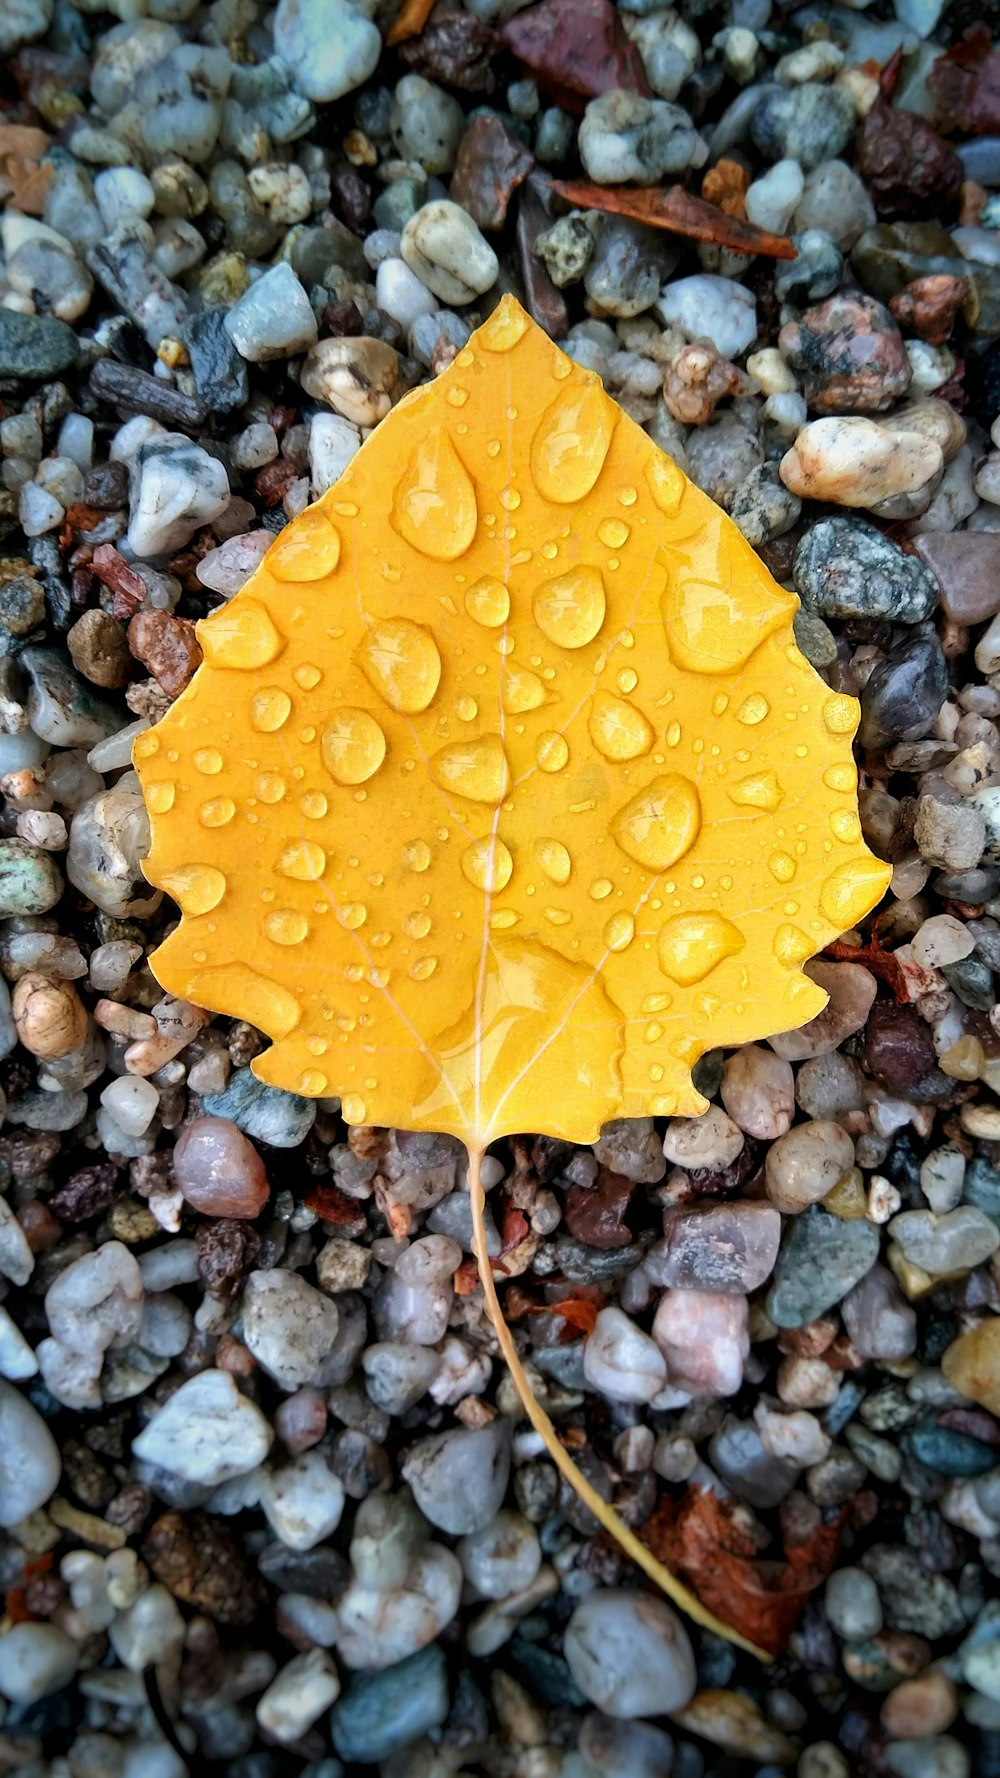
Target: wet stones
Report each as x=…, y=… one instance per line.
x=809, y=123
x=845, y=568
x=850, y=354
x=904, y=693
x=821, y=1259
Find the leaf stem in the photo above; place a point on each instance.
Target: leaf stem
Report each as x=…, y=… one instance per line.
x=613, y=1525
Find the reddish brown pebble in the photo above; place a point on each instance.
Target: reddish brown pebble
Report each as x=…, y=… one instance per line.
x=491, y=164
x=910, y=170
x=41, y=1230
x=596, y=1214
x=231, y=1355
x=966, y=84
x=457, y=50
x=167, y=646
x=300, y=1420
x=696, y=381
x=928, y=306
x=205, y=1565
x=218, y=1170
x=226, y=1251
x=98, y=649
x=121, y=579
x=850, y=354
x=921, y=1708
x=576, y=49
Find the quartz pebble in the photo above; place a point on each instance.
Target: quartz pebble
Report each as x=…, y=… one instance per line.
x=288, y=1325
x=218, y=1170
x=758, y=1092
x=206, y=1433
x=273, y=318
x=35, y=1661
x=459, y=1478
x=621, y=1361
x=630, y=1654
x=447, y=253
x=704, y=1338
x=30, y=1464
x=804, y=1165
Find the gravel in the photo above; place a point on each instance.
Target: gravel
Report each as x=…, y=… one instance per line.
x=255, y=1431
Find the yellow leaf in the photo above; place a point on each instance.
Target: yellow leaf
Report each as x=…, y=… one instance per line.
x=514, y=735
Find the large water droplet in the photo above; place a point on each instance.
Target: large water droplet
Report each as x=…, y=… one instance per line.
x=307, y=550
x=753, y=709
x=246, y=994
x=841, y=714
x=552, y=857
x=569, y=609
x=240, y=635
x=401, y=661
x=217, y=812
x=160, y=796
x=842, y=777
x=507, y=324
x=572, y=442
x=666, y=482
x=352, y=745
x=660, y=824
x=196, y=888
x=417, y=855
x=618, y=730
x=852, y=890
x=791, y=946
x=286, y=926
x=690, y=946
x=760, y=790
x=619, y=932
x=207, y=760
x=551, y=751
x=487, y=865
x=435, y=504
x=477, y=769
x=845, y=825
x=520, y=690
x=713, y=616
x=269, y=709
x=303, y=860
x=488, y=603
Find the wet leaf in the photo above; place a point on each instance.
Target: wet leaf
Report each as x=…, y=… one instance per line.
x=673, y=208
x=503, y=792
x=409, y=20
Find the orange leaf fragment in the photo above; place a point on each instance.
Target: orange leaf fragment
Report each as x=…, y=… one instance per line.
x=680, y=211
x=409, y=21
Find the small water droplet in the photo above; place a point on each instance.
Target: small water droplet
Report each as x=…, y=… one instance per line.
x=466, y=709
x=753, y=709
x=352, y=745
x=240, y=635
x=487, y=865
x=690, y=946
x=503, y=918
x=661, y=823
x=782, y=867
x=417, y=925
x=196, y=888
x=353, y=915
x=488, y=602
x=457, y=396
x=217, y=812
x=842, y=777
x=435, y=503
x=476, y=769
x=145, y=746
x=558, y=916
x=852, y=890
x=400, y=660
x=520, y=690
x=417, y=855
x=269, y=787
x=269, y=709
x=303, y=860
x=551, y=751
x=312, y=1083
x=619, y=932
x=314, y=805
x=673, y=734
x=791, y=946
x=423, y=968
x=510, y=500
x=307, y=676
x=353, y=1109
x=760, y=790
x=160, y=796
x=844, y=825
x=286, y=926
x=307, y=550
x=570, y=608
x=614, y=532
x=601, y=888
x=627, y=680
x=618, y=730
x=507, y=324
x=552, y=857
x=207, y=760
x=840, y=714
x=666, y=482
x=628, y=495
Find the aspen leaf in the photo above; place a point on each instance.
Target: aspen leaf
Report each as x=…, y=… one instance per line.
x=478, y=859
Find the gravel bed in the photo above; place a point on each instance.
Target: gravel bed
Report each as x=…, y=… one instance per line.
x=270, y=1505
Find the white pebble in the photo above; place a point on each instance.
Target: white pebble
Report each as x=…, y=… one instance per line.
x=298, y=1696
x=35, y=1661
x=132, y=1102
x=621, y=1361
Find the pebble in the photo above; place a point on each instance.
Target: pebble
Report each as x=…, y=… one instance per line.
x=502, y=1558
x=30, y=880
x=36, y=1659
x=879, y=1322
x=35, y=346
x=265, y=1114
x=61, y=708
x=625, y=138
x=903, y=695
x=273, y=318
x=630, y=1654
x=851, y=461
x=297, y=1697
x=716, y=1247
x=206, y=1433
x=330, y=46
x=849, y=353
x=288, y=1325
x=707, y=307
x=711, y=1140
x=459, y=1478
x=218, y=1170
x=108, y=838
x=380, y=1714
x=847, y=568
x=758, y=1092
x=621, y=1361
x=809, y=123
x=704, y=1338
x=303, y=1502
x=821, y=1259
x=447, y=253
x=359, y=378
x=804, y=1165
x=771, y=200
x=950, y=836
x=835, y=200
x=30, y=1464
x=177, y=486
x=815, y=271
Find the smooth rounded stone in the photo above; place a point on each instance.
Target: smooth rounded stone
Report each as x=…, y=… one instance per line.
x=303, y=1502
x=150, y=1631
x=804, y=1165
x=849, y=353
x=821, y=1259
x=738, y=1457
x=297, y=1697
x=763, y=507
x=809, y=123
x=398, y=1373
x=35, y=346
x=399, y=293
x=273, y=318
x=329, y=46
x=846, y=568
x=853, y=1607
x=971, y=1364
x=427, y=124
x=17, y=1362
x=815, y=271
x=704, y=1337
x=414, y=1309
x=108, y=838
x=880, y=1322
x=904, y=693
x=333, y=442
x=942, y=940
x=626, y=138
x=850, y=460
x=502, y=1558
x=758, y=1092
x=615, y=1748
x=447, y=252
x=30, y=880
x=852, y=990
x=772, y=199
x=36, y=1659
x=358, y=377
x=388, y=1533
x=966, y=565
x=96, y=1301
x=716, y=1247
x=621, y=1361
x=951, y=1243
x=950, y=836
x=459, y=1477
x=721, y=455
x=380, y=1714
x=176, y=487
x=62, y=709
x=631, y=1146
x=835, y=200
x=627, y=269
x=288, y=1325
x=218, y=1170
x=711, y=1140
x=708, y=307
x=206, y=1433
x=669, y=48
x=30, y=1464
x=132, y=1102
x=630, y=1654
x=793, y=1435
x=828, y=1086
x=266, y=1114
x=380, y=1626
x=941, y=1756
